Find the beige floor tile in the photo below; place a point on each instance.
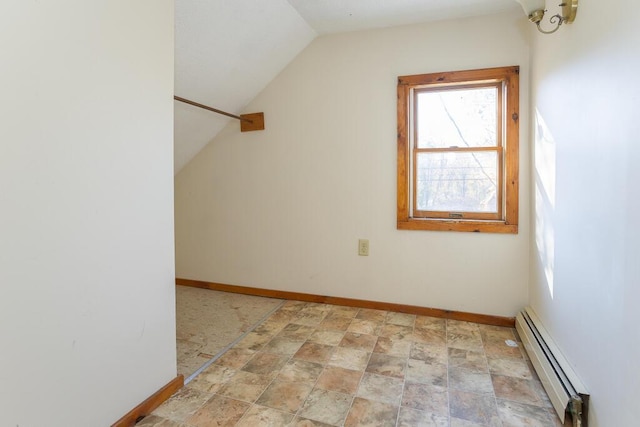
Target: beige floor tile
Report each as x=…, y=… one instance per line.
x=510, y=367
x=156, y=421
x=295, y=332
x=343, y=311
x=469, y=360
x=254, y=341
x=403, y=319
x=378, y=316
x=479, y=408
x=309, y=319
x=289, y=304
x=327, y=407
x=380, y=389
x=496, y=333
x=339, y=379
x=364, y=326
x=426, y=322
x=517, y=390
x=285, y=396
x=335, y=324
x=300, y=371
x=457, y=422
x=313, y=352
x=497, y=350
x=286, y=346
x=266, y=363
x=514, y=414
x=219, y=411
x=541, y=393
x=384, y=364
x=419, y=371
x=415, y=418
x=305, y=422
x=270, y=327
x=465, y=341
x=327, y=337
x=259, y=416
x=235, y=358
x=333, y=314
x=400, y=348
x=434, y=337
x=182, y=404
x=349, y=358
x=458, y=326
x=316, y=307
x=397, y=332
x=477, y=382
x=367, y=413
x=431, y=399
x=246, y=386
x=282, y=316
x=429, y=353
x=359, y=341
x=212, y=378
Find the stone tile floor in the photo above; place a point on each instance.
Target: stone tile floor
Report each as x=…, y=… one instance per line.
x=207, y=321
x=322, y=365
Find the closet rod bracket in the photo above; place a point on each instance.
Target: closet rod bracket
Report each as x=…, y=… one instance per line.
x=255, y=122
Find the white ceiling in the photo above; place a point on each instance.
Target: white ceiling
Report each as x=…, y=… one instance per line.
x=334, y=16
x=227, y=51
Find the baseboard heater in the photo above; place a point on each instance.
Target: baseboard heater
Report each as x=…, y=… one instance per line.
x=566, y=391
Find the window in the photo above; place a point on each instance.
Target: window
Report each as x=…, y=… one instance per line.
x=458, y=151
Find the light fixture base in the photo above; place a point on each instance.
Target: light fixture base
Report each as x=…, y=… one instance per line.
x=536, y=16
x=569, y=10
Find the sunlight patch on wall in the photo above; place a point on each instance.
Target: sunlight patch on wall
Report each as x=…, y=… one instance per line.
x=545, y=197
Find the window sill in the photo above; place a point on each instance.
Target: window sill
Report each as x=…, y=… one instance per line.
x=458, y=225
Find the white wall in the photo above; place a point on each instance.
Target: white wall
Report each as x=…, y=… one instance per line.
x=87, y=322
x=585, y=253
x=284, y=208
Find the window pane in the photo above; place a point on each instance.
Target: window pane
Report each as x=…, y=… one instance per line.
x=457, y=118
x=457, y=181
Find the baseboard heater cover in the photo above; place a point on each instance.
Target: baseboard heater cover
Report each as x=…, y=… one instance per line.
x=566, y=391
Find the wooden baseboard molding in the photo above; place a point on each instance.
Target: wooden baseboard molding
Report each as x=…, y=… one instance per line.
x=402, y=308
x=151, y=403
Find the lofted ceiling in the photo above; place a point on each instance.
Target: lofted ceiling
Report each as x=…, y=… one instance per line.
x=227, y=51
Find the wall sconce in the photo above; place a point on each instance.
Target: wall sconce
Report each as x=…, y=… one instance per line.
x=535, y=11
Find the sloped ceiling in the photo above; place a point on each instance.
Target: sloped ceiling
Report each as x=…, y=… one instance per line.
x=334, y=16
x=227, y=51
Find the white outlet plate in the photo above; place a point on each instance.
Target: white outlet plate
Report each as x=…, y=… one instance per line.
x=363, y=247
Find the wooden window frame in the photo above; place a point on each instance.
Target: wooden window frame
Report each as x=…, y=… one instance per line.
x=506, y=221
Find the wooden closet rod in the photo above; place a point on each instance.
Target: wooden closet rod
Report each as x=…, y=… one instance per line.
x=248, y=122
x=206, y=107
